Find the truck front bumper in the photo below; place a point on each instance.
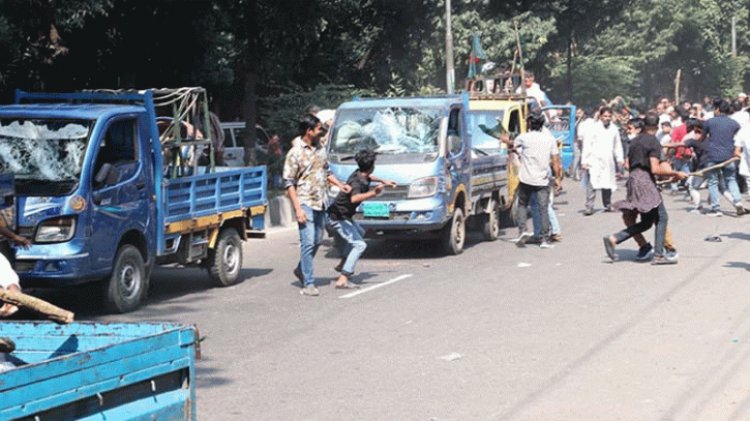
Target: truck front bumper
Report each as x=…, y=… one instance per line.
x=55, y=264
x=418, y=215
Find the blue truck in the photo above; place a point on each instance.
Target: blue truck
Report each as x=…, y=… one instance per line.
x=444, y=181
x=98, y=371
x=105, y=193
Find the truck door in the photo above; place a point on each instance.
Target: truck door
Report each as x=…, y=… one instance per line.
x=458, y=154
x=559, y=118
x=122, y=187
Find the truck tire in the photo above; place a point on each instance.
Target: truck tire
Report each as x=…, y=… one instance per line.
x=127, y=286
x=507, y=218
x=225, y=260
x=491, y=222
x=454, y=234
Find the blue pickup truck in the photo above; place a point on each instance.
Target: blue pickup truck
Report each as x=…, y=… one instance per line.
x=103, y=196
x=444, y=181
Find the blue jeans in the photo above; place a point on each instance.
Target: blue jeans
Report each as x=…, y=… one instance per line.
x=729, y=173
x=353, y=246
x=536, y=217
x=310, y=237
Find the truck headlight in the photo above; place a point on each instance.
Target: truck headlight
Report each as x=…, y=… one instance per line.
x=56, y=230
x=423, y=187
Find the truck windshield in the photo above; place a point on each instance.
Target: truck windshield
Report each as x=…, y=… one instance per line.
x=388, y=131
x=482, y=122
x=48, y=153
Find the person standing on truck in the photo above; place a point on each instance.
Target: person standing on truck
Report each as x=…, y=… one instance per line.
x=341, y=214
x=306, y=178
x=536, y=150
x=602, y=148
x=9, y=277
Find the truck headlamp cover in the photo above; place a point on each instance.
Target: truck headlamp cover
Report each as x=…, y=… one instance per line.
x=423, y=187
x=56, y=230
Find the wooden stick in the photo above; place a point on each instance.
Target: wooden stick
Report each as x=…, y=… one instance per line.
x=701, y=172
x=40, y=306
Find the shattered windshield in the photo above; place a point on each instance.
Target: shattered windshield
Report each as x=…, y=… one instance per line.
x=389, y=131
x=43, y=150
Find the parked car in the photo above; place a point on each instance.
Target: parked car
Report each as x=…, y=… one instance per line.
x=234, y=143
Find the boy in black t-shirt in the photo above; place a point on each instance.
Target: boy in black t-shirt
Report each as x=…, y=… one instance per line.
x=342, y=210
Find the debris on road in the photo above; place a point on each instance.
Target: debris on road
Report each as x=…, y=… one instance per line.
x=453, y=356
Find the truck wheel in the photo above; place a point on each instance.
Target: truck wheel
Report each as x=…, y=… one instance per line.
x=454, y=234
x=126, y=287
x=491, y=222
x=225, y=261
x=507, y=218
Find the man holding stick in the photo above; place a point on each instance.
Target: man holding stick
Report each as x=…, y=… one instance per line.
x=8, y=277
x=719, y=146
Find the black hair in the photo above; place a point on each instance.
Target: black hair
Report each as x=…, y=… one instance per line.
x=693, y=123
x=651, y=120
x=307, y=122
x=365, y=160
x=682, y=113
x=724, y=107
x=736, y=106
x=717, y=101
x=535, y=121
x=605, y=109
x=637, y=123
x=312, y=109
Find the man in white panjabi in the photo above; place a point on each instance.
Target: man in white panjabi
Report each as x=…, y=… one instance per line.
x=601, y=150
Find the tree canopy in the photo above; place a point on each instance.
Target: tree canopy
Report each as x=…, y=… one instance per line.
x=285, y=52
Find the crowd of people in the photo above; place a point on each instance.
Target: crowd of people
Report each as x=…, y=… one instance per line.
x=690, y=144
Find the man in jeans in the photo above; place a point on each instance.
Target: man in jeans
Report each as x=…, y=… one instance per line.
x=341, y=214
x=719, y=147
x=306, y=177
x=536, y=151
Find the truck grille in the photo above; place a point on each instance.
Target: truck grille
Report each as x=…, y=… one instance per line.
x=394, y=193
x=22, y=266
x=27, y=232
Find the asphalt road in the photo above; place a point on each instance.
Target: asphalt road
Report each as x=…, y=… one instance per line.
x=495, y=333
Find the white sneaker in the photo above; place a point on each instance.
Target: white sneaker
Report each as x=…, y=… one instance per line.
x=521, y=240
x=310, y=291
x=546, y=245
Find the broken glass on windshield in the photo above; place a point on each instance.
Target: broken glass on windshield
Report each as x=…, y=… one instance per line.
x=387, y=130
x=44, y=150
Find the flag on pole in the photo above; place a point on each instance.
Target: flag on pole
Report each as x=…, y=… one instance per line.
x=475, y=56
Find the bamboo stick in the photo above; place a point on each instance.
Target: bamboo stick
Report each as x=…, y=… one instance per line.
x=52, y=312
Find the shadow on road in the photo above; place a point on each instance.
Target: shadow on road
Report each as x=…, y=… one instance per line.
x=167, y=284
x=737, y=265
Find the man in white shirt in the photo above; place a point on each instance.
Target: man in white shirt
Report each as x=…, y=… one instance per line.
x=536, y=151
x=8, y=277
x=533, y=90
x=602, y=148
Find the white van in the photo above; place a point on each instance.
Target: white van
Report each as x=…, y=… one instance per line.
x=234, y=146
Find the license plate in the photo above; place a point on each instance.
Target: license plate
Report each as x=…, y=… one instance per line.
x=376, y=210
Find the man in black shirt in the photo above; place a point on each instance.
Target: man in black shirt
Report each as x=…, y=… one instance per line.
x=341, y=212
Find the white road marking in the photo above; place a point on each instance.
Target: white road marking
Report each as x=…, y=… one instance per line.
x=376, y=286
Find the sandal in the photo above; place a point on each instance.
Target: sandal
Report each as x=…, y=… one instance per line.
x=609, y=247
x=347, y=285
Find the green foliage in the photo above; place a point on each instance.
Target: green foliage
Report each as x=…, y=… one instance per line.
x=280, y=113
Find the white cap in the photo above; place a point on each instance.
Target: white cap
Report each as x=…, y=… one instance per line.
x=325, y=115
x=742, y=95
x=664, y=119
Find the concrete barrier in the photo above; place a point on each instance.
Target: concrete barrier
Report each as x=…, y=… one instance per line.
x=280, y=212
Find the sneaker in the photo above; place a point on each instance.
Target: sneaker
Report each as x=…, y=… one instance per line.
x=609, y=247
x=663, y=260
x=697, y=210
x=555, y=238
x=671, y=255
x=522, y=239
x=310, y=290
x=609, y=208
x=714, y=213
x=588, y=212
x=740, y=210
x=645, y=253
x=546, y=245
